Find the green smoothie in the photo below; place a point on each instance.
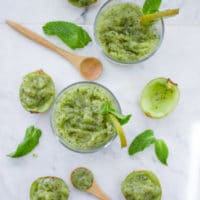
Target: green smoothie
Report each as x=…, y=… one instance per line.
x=77, y=120
x=141, y=185
x=82, y=3
x=82, y=178
x=49, y=188
x=121, y=35
x=37, y=92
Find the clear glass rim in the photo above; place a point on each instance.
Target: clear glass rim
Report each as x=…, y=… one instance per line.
x=54, y=129
x=132, y=62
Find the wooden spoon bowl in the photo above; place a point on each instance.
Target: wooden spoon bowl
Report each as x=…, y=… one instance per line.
x=91, y=68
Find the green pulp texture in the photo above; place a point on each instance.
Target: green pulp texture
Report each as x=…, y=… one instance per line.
x=159, y=97
x=141, y=185
x=121, y=35
x=82, y=3
x=37, y=92
x=77, y=119
x=82, y=178
x=49, y=188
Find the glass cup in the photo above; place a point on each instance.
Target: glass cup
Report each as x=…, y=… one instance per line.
x=55, y=129
x=159, y=26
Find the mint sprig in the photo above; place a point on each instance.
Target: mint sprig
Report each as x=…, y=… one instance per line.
x=144, y=140
x=108, y=108
x=151, y=6
x=29, y=142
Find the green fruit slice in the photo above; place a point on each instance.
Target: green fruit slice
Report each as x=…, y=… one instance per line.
x=49, y=188
x=37, y=92
x=145, y=19
x=82, y=3
x=159, y=98
x=140, y=185
x=119, y=130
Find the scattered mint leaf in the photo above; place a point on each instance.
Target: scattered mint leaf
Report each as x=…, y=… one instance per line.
x=107, y=108
x=142, y=141
x=151, y=6
x=161, y=151
x=29, y=142
x=72, y=35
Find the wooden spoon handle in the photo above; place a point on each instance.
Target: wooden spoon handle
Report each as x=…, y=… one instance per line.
x=74, y=59
x=102, y=196
x=96, y=191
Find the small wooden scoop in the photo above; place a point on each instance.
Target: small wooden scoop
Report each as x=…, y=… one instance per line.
x=96, y=191
x=89, y=67
x=92, y=188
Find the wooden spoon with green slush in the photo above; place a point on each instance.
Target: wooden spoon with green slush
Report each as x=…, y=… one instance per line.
x=83, y=179
x=89, y=67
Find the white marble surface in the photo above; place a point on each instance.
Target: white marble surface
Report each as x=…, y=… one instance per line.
x=178, y=58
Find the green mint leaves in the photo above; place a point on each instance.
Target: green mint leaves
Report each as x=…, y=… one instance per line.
x=162, y=151
x=144, y=140
x=141, y=142
x=151, y=6
x=29, y=142
x=107, y=108
x=72, y=35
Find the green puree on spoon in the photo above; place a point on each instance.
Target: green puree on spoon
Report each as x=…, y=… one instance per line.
x=83, y=179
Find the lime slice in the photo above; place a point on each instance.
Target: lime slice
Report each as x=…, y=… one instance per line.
x=159, y=98
x=119, y=130
x=145, y=19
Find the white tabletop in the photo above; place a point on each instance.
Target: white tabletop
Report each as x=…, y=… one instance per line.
x=178, y=58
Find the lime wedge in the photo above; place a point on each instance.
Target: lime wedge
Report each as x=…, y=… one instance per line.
x=145, y=19
x=119, y=130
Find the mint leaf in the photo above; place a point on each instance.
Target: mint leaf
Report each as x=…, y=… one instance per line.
x=151, y=6
x=161, y=151
x=29, y=142
x=123, y=119
x=142, y=141
x=72, y=35
x=107, y=108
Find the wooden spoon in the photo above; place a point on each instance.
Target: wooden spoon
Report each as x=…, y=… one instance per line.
x=96, y=191
x=89, y=67
x=94, y=188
